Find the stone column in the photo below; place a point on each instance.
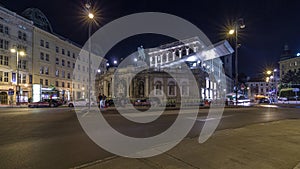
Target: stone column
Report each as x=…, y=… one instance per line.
x=127, y=87
x=105, y=91
x=180, y=53
x=155, y=60
x=146, y=87
x=112, y=88
x=173, y=55
x=195, y=48
x=167, y=59
x=187, y=51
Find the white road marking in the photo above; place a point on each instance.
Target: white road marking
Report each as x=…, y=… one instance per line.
x=204, y=118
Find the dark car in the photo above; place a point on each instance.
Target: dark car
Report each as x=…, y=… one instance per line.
x=109, y=102
x=264, y=100
x=44, y=103
x=142, y=102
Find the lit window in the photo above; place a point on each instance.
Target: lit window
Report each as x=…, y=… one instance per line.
x=41, y=70
x=57, y=61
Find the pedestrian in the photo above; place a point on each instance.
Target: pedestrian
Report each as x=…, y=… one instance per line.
x=104, y=101
x=99, y=99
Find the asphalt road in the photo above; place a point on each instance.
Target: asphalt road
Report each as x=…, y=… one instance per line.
x=53, y=138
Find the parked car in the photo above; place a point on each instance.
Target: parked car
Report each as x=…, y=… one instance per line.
x=81, y=102
x=44, y=103
x=142, y=102
x=264, y=100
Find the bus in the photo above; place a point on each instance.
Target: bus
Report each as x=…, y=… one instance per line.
x=288, y=94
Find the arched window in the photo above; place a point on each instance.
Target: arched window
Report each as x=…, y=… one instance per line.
x=171, y=89
x=158, y=88
x=184, y=89
x=141, y=88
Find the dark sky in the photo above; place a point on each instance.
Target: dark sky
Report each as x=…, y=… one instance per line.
x=269, y=23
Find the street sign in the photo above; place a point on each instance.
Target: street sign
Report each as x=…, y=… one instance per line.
x=10, y=92
x=295, y=89
x=242, y=87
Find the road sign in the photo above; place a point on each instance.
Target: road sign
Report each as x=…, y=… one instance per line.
x=10, y=92
x=295, y=89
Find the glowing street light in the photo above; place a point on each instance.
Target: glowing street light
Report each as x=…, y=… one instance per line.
x=91, y=15
x=115, y=62
x=231, y=31
x=21, y=53
x=269, y=72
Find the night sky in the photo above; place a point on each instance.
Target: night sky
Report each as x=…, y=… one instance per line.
x=269, y=24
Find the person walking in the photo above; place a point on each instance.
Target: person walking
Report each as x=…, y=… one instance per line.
x=99, y=99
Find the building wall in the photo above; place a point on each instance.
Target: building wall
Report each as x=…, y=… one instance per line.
x=260, y=88
x=292, y=64
x=50, y=60
x=58, y=70
x=15, y=32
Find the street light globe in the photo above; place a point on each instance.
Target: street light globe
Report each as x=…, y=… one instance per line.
x=91, y=16
x=269, y=72
x=22, y=53
x=99, y=70
x=231, y=31
x=115, y=62
x=135, y=59
x=13, y=50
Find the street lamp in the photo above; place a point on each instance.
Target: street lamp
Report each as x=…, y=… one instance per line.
x=238, y=24
x=91, y=18
x=21, y=53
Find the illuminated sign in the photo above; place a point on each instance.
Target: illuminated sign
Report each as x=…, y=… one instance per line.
x=36, y=92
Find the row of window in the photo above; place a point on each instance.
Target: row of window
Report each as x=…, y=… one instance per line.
x=45, y=70
x=22, y=78
x=46, y=83
x=63, y=52
x=63, y=63
x=60, y=84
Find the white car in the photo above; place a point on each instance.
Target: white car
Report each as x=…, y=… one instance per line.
x=81, y=102
x=242, y=100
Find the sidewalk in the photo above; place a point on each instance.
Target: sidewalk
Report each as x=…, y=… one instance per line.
x=12, y=106
x=267, y=146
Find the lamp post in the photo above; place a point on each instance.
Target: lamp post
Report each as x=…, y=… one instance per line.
x=21, y=53
x=91, y=17
x=272, y=77
x=238, y=24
